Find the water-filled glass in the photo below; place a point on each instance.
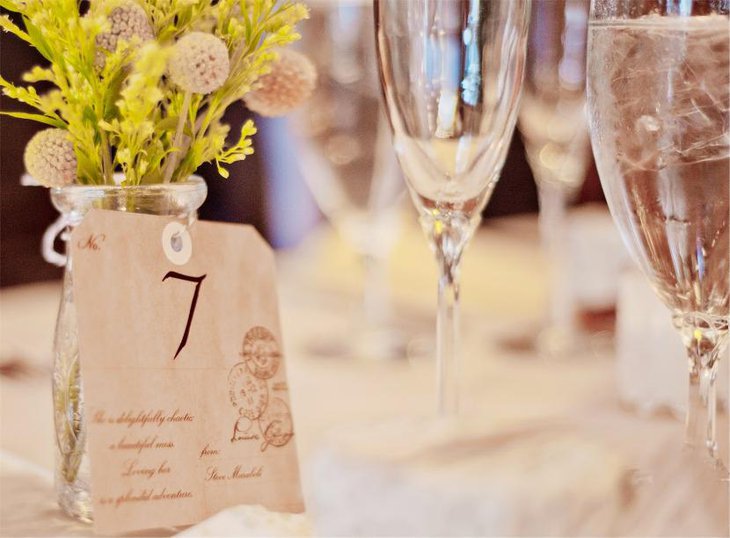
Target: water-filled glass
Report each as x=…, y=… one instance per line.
x=658, y=95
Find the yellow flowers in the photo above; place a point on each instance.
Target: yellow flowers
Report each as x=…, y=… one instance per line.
x=135, y=130
x=49, y=157
x=142, y=85
x=289, y=83
x=128, y=21
x=199, y=63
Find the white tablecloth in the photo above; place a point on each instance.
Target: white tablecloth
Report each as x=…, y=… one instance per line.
x=503, y=291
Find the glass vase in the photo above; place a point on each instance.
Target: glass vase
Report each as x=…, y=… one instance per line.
x=180, y=200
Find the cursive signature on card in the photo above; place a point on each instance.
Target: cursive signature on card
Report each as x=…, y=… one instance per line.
x=214, y=474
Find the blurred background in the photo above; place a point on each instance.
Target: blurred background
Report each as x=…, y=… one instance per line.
x=267, y=190
x=559, y=328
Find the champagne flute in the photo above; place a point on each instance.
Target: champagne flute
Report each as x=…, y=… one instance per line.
x=554, y=130
x=451, y=72
x=658, y=96
x=345, y=151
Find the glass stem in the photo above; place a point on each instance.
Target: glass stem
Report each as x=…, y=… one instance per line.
x=375, y=291
x=448, y=232
x=553, y=235
x=704, y=339
x=447, y=339
x=702, y=406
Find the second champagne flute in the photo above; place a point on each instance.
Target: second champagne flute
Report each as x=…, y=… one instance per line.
x=346, y=158
x=555, y=133
x=451, y=72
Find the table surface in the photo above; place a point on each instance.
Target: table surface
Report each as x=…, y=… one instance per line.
x=320, y=283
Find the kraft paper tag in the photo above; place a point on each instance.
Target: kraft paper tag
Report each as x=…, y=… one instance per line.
x=184, y=378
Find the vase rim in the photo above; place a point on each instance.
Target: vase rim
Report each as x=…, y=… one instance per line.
x=194, y=182
x=166, y=198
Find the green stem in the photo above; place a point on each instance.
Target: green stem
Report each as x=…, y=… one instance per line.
x=177, y=140
x=73, y=444
x=107, y=169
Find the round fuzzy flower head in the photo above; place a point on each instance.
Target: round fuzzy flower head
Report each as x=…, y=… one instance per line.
x=128, y=20
x=49, y=157
x=289, y=83
x=199, y=63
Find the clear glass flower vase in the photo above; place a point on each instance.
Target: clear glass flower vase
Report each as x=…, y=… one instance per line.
x=180, y=200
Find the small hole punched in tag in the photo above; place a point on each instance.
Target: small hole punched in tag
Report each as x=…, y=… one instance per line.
x=177, y=243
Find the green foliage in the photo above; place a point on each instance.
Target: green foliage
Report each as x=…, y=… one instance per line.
x=237, y=152
x=123, y=113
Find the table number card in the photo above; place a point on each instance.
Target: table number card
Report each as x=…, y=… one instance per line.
x=183, y=373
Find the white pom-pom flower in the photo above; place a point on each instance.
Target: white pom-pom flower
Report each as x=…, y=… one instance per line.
x=128, y=20
x=290, y=82
x=49, y=157
x=199, y=63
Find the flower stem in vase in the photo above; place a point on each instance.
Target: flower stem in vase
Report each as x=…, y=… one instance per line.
x=177, y=140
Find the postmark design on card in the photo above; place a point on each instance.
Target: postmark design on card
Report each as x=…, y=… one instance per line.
x=247, y=392
x=261, y=353
x=276, y=424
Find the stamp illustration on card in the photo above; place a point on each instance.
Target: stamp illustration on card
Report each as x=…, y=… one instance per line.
x=248, y=383
x=249, y=395
x=261, y=353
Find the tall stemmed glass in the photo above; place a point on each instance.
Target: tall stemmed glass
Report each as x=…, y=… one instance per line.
x=554, y=129
x=344, y=147
x=451, y=72
x=659, y=95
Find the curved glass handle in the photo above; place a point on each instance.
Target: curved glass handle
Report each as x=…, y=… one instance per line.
x=50, y=254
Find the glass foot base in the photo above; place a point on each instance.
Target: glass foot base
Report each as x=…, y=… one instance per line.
x=75, y=501
x=383, y=344
x=556, y=343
